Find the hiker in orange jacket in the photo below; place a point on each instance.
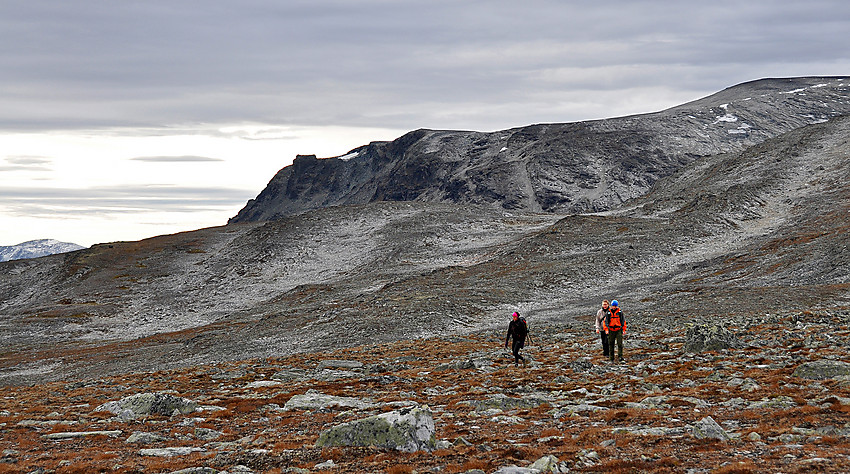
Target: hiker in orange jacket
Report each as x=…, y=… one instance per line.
x=615, y=326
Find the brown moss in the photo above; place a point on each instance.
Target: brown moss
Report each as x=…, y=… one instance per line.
x=738, y=467
x=400, y=469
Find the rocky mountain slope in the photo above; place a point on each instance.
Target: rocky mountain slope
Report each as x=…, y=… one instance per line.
x=762, y=230
x=564, y=168
x=36, y=248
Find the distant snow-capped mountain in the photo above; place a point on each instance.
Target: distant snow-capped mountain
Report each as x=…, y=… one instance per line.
x=36, y=248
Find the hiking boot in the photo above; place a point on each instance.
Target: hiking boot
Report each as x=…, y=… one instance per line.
x=523, y=363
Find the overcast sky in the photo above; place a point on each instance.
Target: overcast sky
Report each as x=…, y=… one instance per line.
x=121, y=120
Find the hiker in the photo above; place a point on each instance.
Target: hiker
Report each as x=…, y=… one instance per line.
x=601, y=315
x=518, y=329
x=615, y=327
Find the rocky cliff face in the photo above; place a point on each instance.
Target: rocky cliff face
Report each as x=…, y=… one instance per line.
x=560, y=168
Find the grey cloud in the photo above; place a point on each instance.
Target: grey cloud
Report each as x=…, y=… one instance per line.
x=26, y=163
x=50, y=202
x=175, y=159
x=391, y=64
x=28, y=160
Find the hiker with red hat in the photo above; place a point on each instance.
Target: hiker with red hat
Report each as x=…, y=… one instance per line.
x=615, y=326
x=518, y=330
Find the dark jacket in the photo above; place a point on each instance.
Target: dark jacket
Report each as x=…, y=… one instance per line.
x=518, y=330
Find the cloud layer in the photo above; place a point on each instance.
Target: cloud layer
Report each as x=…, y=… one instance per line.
x=120, y=200
x=121, y=120
x=481, y=65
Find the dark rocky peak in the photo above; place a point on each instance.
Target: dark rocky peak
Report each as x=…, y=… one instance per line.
x=562, y=168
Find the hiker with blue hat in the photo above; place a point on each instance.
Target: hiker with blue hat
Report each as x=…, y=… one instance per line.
x=615, y=326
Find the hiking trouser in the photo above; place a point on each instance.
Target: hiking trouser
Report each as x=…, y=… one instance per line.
x=604, y=338
x=517, y=345
x=615, y=337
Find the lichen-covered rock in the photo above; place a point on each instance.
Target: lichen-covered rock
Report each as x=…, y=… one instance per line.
x=145, y=438
x=516, y=470
x=314, y=400
x=82, y=434
x=708, y=428
x=545, y=464
x=408, y=430
x=196, y=470
x=709, y=338
x=504, y=402
x=291, y=374
x=149, y=404
x=340, y=364
x=581, y=365
x=822, y=369
x=779, y=402
x=207, y=434
x=169, y=452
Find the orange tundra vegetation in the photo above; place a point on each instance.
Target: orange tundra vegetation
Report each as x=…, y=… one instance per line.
x=570, y=403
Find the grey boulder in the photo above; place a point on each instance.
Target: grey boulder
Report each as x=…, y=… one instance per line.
x=709, y=338
x=314, y=400
x=144, y=404
x=708, y=428
x=408, y=430
x=822, y=369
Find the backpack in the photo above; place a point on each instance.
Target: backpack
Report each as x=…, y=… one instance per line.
x=521, y=329
x=619, y=320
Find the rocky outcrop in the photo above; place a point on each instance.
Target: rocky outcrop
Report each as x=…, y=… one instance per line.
x=82, y=434
x=563, y=168
x=406, y=430
x=708, y=428
x=823, y=369
x=139, y=437
x=149, y=404
x=313, y=400
x=707, y=337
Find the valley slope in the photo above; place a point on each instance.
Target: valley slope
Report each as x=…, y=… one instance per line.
x=755, y=229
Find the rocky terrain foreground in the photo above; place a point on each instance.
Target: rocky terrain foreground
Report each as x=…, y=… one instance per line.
x=762, y=393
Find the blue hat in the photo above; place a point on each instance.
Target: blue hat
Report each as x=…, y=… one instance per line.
x=614, y=303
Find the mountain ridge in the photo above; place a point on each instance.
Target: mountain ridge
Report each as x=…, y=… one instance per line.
x=36, y=248
x=561, y=168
